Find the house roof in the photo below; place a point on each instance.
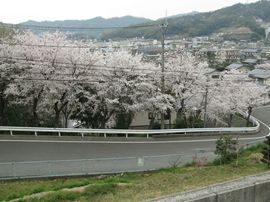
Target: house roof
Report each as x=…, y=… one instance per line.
x=234, y=66
x=250, y=61
x=259, y=73
x=250, y=50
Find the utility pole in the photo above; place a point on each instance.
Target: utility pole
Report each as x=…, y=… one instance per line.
x=205, y=107
x=163, y=31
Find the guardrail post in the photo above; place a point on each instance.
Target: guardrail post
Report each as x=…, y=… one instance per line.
x=59, y=134
x=105, y=136
x=147, y=136
x=82, y=135
x=36, y=133
x=126, y=135
x=11, y=133
x=185, y=132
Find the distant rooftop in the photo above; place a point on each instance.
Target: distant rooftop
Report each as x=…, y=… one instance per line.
x=250, y=61
x=251, y=50
x=234, y=66
x=259, y=73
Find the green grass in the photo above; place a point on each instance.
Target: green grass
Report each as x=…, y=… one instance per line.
x=239, y=121
x=19, y=188
x=133, y=186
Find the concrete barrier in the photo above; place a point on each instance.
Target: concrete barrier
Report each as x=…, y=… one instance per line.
x=248, y=189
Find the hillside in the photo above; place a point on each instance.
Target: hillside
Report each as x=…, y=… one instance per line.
x=5, y=31
x=97, y=22
x=249, y=17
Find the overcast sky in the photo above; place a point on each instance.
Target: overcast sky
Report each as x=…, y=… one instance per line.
x=16, y=11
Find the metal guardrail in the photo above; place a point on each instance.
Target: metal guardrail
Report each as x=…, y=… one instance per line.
x=128, y=133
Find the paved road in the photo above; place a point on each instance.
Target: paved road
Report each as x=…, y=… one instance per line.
x=24, y=151
x=33, y=151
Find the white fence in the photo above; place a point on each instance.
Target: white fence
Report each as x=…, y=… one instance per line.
x=127, y=133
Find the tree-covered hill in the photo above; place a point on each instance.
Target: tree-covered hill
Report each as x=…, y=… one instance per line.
x=97, y=22
x=250, y=16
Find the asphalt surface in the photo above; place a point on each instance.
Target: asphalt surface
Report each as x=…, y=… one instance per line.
x=31, y=157
x=20, y=151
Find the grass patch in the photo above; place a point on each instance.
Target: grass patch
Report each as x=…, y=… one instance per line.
x=61, y=196
x=134, y=186
x=19, y=188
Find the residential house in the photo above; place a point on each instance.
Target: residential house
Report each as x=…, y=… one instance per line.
x=239, y=67
x=262, y=76
x=250, y=62
x=249, y=53
x=229, y=54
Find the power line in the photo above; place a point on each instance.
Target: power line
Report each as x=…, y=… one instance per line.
x=99, y=81
x=87, y=81
x=64, y=46
x=47, y=46
x=102, y=67
x=112, y=68
x=69, y=28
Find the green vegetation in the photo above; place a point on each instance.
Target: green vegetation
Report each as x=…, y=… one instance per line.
x=5, y=32
x=226, y=149
x=94, y=22
x=200, y=24
x=266, y=151
x=132, y=186
x=190, y=122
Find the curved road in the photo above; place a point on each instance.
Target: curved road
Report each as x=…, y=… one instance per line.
x=14, y=151
x=43, y=158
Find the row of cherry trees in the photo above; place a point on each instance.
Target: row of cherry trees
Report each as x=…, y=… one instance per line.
x=51, y=78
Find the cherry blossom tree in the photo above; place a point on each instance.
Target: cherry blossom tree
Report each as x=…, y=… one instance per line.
x=185, y=80
x=62, y=79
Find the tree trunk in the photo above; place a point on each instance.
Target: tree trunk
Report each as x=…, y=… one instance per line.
x=66, y=115
x=36, y=99
x=249, y=114
x=2, y=110
x=230, y=120
x=179, y=114
x=57, y=111
x=57, y=115
x=35, y=120
x=151, y=123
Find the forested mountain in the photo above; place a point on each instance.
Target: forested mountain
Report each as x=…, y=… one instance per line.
x=246, y=17
x=240, y=21
x=97, y=22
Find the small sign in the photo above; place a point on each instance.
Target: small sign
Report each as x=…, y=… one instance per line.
x=140, y=162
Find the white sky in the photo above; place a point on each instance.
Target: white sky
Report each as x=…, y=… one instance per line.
x=16, y=11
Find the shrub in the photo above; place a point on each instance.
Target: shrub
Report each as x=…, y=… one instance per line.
x=266, y=151
x=180, y=123
x=200, y=161
x=226, y=149
x=156, y=125
x=255, y=158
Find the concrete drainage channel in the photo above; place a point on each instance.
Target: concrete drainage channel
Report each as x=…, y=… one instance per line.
x=247, y=189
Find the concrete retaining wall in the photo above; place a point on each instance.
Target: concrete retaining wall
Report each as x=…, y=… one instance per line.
x=247, y=189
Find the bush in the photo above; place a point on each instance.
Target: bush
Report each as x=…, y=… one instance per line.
x=255, y=158
x=200, y=161
x=123, y=120
x=198, y=123
x=180, y=123
x=266, y=151
x=156, y=125
x=226, y=149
